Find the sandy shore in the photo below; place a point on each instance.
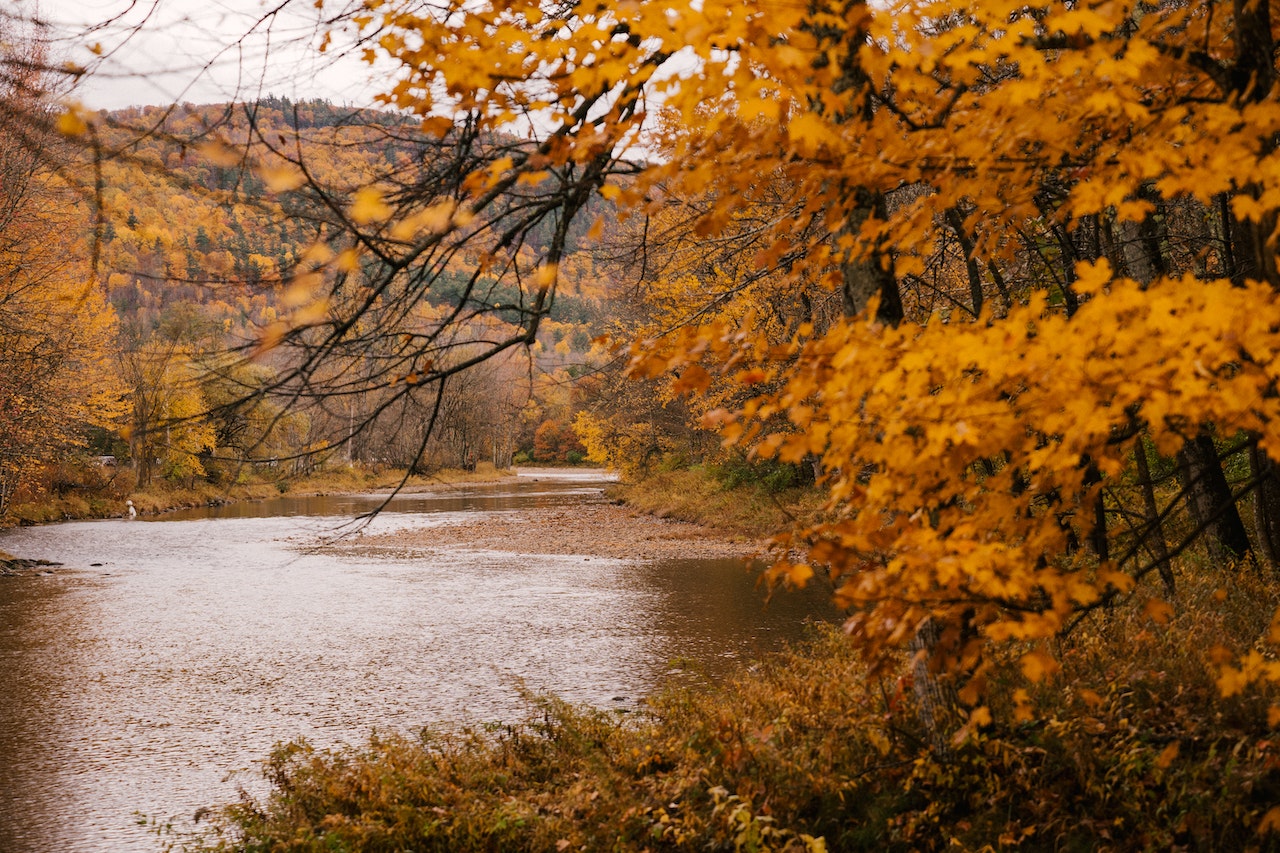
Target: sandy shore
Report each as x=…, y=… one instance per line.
x=597, y=530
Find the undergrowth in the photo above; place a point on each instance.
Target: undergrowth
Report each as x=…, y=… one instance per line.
x=1129, y=747
x=722, y=497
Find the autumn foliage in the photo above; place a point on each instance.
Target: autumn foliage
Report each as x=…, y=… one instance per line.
x=1049, y=230
x=1002, y=276
x=982, y=268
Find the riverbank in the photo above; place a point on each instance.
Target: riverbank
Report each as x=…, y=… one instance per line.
x=694, y=495
x=162, y=497
x=598, y=530
x=669, y=515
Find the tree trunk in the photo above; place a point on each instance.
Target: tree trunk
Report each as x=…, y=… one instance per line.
x=869, y=275
x=1266, y=505
x=937, y=702
x=1153, y=528
x=970, y=262
x=1212, y=505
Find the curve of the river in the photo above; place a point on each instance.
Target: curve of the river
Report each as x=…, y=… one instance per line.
x=144, y=678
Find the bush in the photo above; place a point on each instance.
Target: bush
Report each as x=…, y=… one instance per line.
x=736, y=471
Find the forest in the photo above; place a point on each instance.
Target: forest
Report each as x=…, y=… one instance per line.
x=184, y=256
x=997, y=284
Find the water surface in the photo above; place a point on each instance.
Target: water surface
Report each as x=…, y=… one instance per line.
x=144, y=679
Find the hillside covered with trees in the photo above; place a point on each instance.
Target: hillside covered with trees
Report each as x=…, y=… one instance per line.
x=181, y=249
x=201, y=242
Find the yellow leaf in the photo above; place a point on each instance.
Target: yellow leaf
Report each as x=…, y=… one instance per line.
x=300, y=289
x=272, y=335
x=435, y=219
x=546, y=275
x=316, y=253
x=980, y=716
x=437, y=126
x=1023, y=712
x=769, y=446
x=219, y=153
x=1232, y=681
x=809, y=132
x=798, y=574
x=1121, y=581
x=1273, y=716
x=1036, y=666
x=368, y=207
x=312, y=312
x=71, y=123
x=1270, y=821
x=348, y=260
x=281, y=179
x=1093, y=276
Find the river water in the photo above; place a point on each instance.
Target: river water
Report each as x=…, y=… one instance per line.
x=146, y=677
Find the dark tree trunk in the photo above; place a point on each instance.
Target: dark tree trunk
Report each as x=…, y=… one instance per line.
x=870, y=274
x=937, y=701
x=1266, y=505
x=1212, y=505
x=1153, y=528
x=970, y=262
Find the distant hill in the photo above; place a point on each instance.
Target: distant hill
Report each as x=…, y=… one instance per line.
x=198, y=240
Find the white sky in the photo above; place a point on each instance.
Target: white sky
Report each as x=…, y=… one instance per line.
x=201, y=51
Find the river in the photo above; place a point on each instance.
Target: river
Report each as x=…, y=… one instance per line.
x=145, y=678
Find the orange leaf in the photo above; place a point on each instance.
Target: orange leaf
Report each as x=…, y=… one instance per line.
x=1167, y=755
x=1036, y=666
x=1158, y=611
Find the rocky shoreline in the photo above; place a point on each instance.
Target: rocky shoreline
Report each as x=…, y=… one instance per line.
x=14, y=566
x=593, y=529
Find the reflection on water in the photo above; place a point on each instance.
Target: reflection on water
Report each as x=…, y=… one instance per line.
x=167, y=655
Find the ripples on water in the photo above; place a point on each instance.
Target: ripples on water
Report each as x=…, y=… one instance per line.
x=150, y=684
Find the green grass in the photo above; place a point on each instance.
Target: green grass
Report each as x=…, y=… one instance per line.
x=697, y=495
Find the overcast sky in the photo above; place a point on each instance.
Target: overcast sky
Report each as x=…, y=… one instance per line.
x=201, y=51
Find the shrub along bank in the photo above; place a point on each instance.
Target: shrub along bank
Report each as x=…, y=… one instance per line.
x=737, y=496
